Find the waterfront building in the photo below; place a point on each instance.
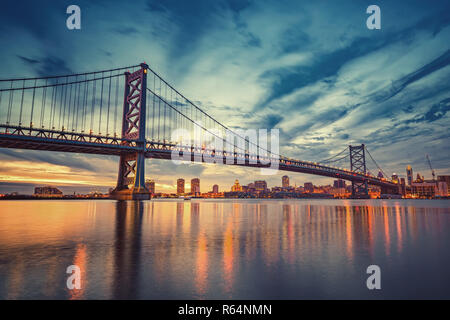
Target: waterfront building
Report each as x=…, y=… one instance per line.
x=215, y=189
x=236, y=187
x=402, y=187
x=409, y=175
x=442, y=189
x=445, y=179
x=309, y=187
x=260, y=185
x=339, y=183
x=395, y=178
x=426, y=190
x=150, y=185
x=419, y=179
x=285, y=182
x=180, y=186
x=195, y=186
x=47, y=191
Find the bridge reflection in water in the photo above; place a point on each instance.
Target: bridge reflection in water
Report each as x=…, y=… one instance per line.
x=224, y=249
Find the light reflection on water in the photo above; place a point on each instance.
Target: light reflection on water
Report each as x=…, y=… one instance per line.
x=202, y=249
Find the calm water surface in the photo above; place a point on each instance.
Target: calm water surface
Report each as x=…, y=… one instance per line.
x=202, y=249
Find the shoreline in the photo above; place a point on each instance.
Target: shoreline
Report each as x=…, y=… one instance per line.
x=209, y=199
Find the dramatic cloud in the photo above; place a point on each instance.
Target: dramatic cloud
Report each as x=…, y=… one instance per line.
x=311, y=69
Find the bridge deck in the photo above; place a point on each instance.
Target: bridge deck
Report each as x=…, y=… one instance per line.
x=85, y=143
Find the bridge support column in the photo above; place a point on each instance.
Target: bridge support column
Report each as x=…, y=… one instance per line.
x=131, y=178
x=360, y=189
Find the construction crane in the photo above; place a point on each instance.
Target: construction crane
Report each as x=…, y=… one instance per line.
x=431, y=168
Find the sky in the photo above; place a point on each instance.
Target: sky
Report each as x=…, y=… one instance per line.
x=312, y=69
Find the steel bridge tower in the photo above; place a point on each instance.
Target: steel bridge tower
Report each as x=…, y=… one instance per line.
x=360, y=190
x=132, y=165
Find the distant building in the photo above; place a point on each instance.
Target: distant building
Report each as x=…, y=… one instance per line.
x=395, y=178
x=251, y=187
x=236, y=187
x=380, y=175
x=195, y=186
x=425, y=190
x=260, y=185
x=339, y=183
x=409, y=175
x=47, y=191
x=442, y=189
x=150, y=185
x=402, y=187
x=309, y=187
x=180, y=186
x=215, y=188
x=445, y=179
x=285, y=182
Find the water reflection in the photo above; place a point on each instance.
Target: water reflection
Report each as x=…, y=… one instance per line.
x=127, y=255
x=223, y=249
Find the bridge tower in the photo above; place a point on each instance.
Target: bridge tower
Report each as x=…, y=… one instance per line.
x=360, y=190
x=132, y=165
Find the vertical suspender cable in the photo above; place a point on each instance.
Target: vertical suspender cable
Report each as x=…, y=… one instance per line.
x=116, y=103
x=32, y=103
x=109, y=103
x=44, y=97
x=21, y=103
x=101, y=108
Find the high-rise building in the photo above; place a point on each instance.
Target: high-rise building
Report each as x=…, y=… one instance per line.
x=195, y=186
x=260, y=185
x=445, y=179
x=150, y=185
x=402, y=186
x=285, y=182
x=180, y=186
x=309, y=187
x=419, y=178
x=395, y=178
x=215, y=188
x=236, y=187
x=380, y=175
x=442, y=189
x=409, y=175
x=339, y=183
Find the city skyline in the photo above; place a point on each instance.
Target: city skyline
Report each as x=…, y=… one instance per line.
x=419, y=186
x=325, y=82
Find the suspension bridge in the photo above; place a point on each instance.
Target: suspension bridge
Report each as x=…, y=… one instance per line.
x=131, y=112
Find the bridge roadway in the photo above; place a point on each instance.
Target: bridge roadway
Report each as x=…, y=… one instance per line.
x=64, y=141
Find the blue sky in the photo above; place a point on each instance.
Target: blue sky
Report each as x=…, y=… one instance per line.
x=310, y=68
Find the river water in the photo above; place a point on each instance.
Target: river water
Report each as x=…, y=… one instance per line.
x=225, y=249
